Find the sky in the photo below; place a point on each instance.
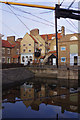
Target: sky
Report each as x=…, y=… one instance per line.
x=18, y=20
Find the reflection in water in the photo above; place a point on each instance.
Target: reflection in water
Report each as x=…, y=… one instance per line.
x=41, y=100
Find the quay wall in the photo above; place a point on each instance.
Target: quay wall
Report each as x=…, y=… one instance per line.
x=21, y=74
x=60, y=73
x=15, y=75
x=63, y=76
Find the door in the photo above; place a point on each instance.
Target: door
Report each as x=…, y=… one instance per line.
x=75, y=60
x=54, y=61
x=8, y=60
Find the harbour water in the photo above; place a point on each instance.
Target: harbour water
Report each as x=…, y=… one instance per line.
x=41, y=98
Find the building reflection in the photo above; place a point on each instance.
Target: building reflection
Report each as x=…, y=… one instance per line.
x=11, y=94
x=33, y=94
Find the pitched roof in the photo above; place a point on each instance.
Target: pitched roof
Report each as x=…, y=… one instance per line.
x=17, y=42
x=33, y=39
x=5, y=43
x=42, y=57
x=52, y=52
x=49, y=36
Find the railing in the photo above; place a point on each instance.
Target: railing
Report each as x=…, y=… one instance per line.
x=53, y=66
x=11, y=65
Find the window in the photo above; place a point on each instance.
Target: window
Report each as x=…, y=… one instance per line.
x=23, y=50
x=30, y=59
x=29, y=44
x=3, y=59
x=16, y=60
x=63, y=59
x=30, y=56
x=63, y=48
x=17, y=52
x=41, y=44
x=55, y=47
x=8, y=59
x=8, y=50
x=29, y=90
x=3, y=50
x=23, y=59
x=73, y=38
x=26, y=58
x=52, y=38
x=29, y=50
x=24, y=45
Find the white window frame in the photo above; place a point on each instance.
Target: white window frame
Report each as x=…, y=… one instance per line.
x=8, y=51
x=63, y=57
x=16, y=60
x=3, y=50
x=52, y=38
x=54, y=47
x=17, y=51
x=4, y=60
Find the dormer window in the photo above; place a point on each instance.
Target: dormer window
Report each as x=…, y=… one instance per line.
x=52, y=38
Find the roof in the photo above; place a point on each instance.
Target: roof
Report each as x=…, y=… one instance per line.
x=49, y=36
x=42, y=57
x=33, y=39
x=52, y=52
x=5, y=43
x=52, y=55
x=15, y=56
x=17, y=42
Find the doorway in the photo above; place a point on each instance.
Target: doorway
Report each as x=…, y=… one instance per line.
x=75, y=60
x=54, y=61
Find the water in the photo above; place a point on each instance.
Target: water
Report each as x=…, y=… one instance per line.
x=41, y=99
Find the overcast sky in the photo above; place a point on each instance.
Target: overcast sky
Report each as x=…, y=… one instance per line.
x=17, y=20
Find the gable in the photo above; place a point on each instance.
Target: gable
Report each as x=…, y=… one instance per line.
x=52, y=56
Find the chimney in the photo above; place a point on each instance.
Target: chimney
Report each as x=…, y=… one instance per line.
x=63, y=30
x=11, y=39
x=34, y=32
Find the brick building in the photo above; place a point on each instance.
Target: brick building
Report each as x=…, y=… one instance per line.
x=10, y=50
x=69, y=50
x=32, y=47
x=50, y=40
